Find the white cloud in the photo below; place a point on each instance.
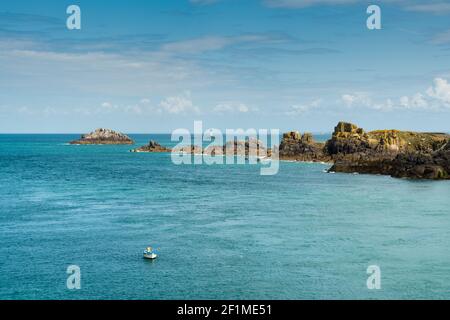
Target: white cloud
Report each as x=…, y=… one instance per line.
x=348, y=99
x=440, y=91
x=233, y=107
x=364, y=100
x=357, y=98
x=104, y=73
x=436, y=97
x=107, y=105
x=300, y=109
x=417, y=101
x=171, y=105
x=179, y=104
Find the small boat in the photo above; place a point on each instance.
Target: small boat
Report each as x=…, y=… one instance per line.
x=149, y=254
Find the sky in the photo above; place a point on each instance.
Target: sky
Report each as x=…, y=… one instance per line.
x=155, y=66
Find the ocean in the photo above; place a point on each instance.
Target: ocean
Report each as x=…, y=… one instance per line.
x=222, y=231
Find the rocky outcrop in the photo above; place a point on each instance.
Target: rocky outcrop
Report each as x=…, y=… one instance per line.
x=389, y=152
x=250, y=147
x=419, y=165
x=152, y=146
x=295, y=146
x=103, y=136
x=347, y=139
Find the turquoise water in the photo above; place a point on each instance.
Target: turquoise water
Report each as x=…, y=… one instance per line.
x=223, y=231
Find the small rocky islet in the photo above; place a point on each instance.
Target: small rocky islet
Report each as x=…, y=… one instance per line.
x=103, y=136
x=152, y=146
x=400, y=154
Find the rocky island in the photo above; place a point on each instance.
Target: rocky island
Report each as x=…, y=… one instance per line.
x=397, y=153
x=152, y=146
x=103, y=136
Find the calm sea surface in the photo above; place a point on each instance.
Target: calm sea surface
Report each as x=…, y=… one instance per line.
x=223, y=231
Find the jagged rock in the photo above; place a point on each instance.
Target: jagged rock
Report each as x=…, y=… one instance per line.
x=446, y=147
x=369, y=162
x=250, y=147
x=420, y=165
x=293, y=135
x=152, y=146
x=346, y=127
x=103, y=136
x=307, y=138
x=295, y=146
x=347, y=139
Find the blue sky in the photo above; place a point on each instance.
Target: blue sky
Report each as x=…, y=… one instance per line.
x=154, y=66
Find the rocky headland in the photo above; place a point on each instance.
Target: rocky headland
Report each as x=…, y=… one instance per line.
x=351, y=149
x=103, y=136
x=389, y=152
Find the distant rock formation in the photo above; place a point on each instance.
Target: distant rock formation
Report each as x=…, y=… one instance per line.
x=152, y=146
x=295, y=146
x=389, y=152
x=397, y=153
x=347, y=139
x=250, y=147
x=103, y=136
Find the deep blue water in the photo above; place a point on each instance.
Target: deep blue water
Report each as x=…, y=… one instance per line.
x=223, y=231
